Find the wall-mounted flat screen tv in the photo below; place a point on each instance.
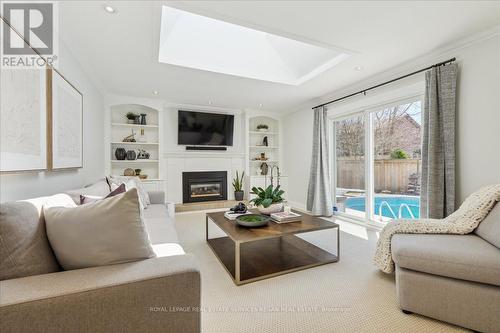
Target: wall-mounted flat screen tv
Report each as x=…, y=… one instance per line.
x=203, y=128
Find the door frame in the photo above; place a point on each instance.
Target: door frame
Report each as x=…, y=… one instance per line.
x=366, y=112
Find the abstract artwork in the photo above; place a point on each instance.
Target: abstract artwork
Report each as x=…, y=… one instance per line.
x=66, y=113
x=23, y=120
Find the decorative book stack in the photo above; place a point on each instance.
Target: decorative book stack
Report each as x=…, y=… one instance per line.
x=286, y=217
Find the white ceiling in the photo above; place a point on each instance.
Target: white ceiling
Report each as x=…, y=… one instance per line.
x=121, y=50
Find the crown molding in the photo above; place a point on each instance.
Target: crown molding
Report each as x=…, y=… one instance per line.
x=434, y=56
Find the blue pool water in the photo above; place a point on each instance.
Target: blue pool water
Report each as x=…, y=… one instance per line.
x=394, y=202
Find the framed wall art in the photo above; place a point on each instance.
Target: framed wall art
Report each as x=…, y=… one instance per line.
x=23, y=118
x=65, y=105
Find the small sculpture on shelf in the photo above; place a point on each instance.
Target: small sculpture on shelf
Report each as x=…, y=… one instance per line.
x=264, y=169
x=143, y=155
x=137, y=172
x=129, y=138
x=265, y=142
x=143, y=119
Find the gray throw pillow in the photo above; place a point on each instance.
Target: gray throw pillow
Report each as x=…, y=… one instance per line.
x=101, y=233
x=24, y=247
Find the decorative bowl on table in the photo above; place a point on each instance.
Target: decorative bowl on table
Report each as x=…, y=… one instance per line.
x=274, y=208
x=252, y=220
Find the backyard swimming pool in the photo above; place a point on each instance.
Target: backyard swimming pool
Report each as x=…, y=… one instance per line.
x=394, y=202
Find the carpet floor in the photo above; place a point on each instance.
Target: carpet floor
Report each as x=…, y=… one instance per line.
x=348, y=296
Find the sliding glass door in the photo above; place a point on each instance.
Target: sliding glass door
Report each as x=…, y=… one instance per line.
x=396, y=161
x=377, y=163
x=349, y=136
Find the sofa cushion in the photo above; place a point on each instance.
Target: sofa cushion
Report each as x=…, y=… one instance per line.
x=100, y=189
x=101, y=233
x=160, y=225
x=466, y=257
x=24, y=247
x=489, y=228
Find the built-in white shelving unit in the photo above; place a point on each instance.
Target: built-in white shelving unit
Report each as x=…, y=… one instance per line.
x=119, y=128
x=256, y=147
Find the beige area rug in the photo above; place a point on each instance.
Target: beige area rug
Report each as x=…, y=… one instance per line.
x=348, y=296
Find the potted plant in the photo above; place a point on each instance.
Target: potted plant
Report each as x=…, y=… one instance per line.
x=262, y=127
x=238, y=186
x=268, y=201
x=131, y=117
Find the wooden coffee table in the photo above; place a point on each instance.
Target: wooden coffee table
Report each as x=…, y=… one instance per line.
x=252, y=254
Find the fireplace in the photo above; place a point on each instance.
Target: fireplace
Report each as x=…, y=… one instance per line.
x=204, y=186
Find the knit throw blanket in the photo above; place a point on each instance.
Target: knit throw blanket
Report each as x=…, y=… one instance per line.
x=463, y=221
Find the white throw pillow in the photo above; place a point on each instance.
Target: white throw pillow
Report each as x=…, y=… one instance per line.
x=101, y=233
x=143, y=194
x=99, y=189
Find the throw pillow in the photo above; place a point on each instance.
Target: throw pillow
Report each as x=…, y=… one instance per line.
x=101, y=233
x=99, y=189
x=85, y=199
x=132, y=182
x=24, y=247
x=489, y=228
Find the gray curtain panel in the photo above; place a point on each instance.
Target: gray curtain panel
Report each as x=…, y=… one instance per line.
x=319, y=195
x=438, y=146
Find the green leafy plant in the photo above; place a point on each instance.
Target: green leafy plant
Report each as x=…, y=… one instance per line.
x=262, y=126
x=131, y=115
x=238, y=182
x=399, y=154
x=267, y=197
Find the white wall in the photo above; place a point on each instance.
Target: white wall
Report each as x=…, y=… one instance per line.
x=31, y=184
x=478, y=118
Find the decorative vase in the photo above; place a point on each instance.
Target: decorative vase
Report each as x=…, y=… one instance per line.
x=137, y=120
x=143, y=119
x=120, y=154
x=238, y=195
x=274, y=208
x=131, y=155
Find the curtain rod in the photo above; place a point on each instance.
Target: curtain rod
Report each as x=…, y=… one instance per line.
x=387, y=82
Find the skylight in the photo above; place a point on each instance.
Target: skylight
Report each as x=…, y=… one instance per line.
x=200, y=42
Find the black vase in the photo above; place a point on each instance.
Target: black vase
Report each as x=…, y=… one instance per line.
x=131, y=155
x=143, y=119
x=120, y=153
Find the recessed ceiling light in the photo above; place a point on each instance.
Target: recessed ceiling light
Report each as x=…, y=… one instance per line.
x=358, y=68
x=209, y=102
x=261, y=105
x=155, y=92
x=109, y=9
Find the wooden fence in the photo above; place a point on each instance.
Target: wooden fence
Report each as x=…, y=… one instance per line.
x=390, y=175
